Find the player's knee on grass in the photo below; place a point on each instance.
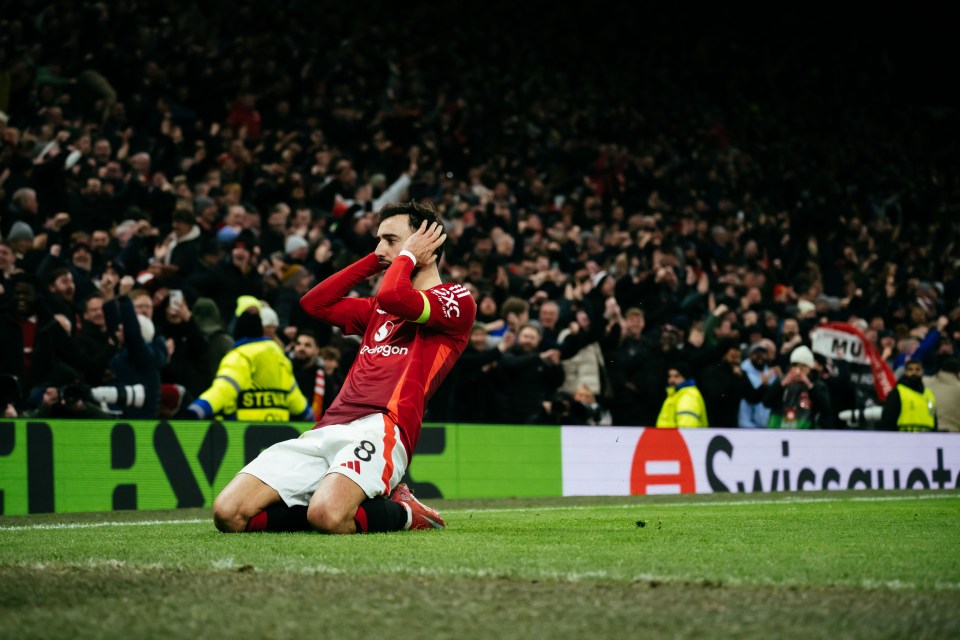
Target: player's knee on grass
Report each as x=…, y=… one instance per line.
x=326, y=520
x=227, y=515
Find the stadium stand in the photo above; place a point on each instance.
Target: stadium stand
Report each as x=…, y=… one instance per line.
x=735, y=187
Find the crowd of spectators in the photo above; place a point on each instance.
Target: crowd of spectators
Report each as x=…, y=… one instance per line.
x=622, y=196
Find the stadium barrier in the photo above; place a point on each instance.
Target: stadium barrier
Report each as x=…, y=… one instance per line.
x=77, y=466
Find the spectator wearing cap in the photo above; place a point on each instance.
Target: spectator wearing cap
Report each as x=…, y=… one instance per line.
x=945, y=385
x=208, y=320
x=20, y=238
x=684, y=406
x=206, y=215
x=801, y=400
x=296, y=249
x=271, y=324
x=24, y=208
x=753, y=414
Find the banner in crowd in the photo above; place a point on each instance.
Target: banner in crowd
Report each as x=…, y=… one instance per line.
x=846, y=342
x=73, y=466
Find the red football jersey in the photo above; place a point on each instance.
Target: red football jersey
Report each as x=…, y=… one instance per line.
x=403, y=357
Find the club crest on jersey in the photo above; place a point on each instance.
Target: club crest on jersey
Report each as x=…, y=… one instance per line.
x=448, y=299
x=383, y=331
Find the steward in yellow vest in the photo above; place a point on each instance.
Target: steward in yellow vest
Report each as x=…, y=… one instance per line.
x=684, y=406
x=254, y=382
x=911, y=406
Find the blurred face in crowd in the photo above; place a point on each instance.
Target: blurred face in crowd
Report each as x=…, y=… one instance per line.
x=143, y=305
x=93, y=312
x=488, y=306
x=583, y=395
x=549, y=314
x=25, y=295
x=635, y=324
x=801, y=368
x=63, y=287
x=528, y=339
x=7, y=259
x=99, y=240
x=92, y=188
x=240, y=255
x=478, y=339
x=790, y=329
x=302, y=218
x=759, y=358
x=913, y=369
x=908, y=345
x=235, y=216
x=305, y=349
x=733, y=357
x=101, y=150
x=181, y=227
x=27, y=201
x=82, y=258
x=674, y=378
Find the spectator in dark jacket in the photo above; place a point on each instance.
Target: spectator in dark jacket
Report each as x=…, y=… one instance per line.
x=143, y=353
x=724, y=385
x=528, y=378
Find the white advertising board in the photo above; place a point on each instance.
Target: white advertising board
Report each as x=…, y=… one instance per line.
x=639, y=461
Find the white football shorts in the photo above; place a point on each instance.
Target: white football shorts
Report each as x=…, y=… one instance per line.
x=368, y=451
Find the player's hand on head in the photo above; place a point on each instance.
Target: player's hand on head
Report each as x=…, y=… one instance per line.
x=423, y=242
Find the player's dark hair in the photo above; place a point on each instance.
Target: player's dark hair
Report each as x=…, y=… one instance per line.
x=416, y=213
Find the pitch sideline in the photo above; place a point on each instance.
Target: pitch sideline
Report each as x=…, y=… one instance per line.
x=722, y=503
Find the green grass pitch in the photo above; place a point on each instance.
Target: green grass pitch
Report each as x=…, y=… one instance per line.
x=838, y=564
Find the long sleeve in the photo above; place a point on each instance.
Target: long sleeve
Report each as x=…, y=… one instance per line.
x=397, y=295
x=445, y=308
x=326, y=300
x=891, y=412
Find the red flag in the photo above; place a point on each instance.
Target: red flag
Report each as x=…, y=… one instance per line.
x=883, y=380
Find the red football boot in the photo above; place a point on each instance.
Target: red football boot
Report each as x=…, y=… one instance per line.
x=420, y=515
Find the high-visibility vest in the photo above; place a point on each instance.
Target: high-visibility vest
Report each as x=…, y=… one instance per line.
x=917, y=410
x=255, y=383
x=684, y=407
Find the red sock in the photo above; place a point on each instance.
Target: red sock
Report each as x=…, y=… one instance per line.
x=361, y=519
x=377, y=515
x=258, y=522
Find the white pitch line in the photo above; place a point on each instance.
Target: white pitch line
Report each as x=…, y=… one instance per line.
x=91, y=525
x=728, y=503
